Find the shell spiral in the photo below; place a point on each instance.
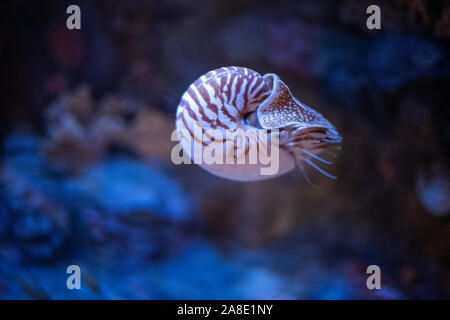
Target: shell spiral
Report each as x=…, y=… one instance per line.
x=226, y=100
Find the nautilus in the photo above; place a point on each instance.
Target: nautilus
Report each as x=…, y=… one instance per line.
x=261, y=116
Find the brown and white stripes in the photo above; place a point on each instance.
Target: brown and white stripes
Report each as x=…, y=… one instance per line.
x=220, y=99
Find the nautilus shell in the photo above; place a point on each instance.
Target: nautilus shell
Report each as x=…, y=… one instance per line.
x=249, y=121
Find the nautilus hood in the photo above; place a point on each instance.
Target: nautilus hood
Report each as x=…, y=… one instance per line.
x=281, y=109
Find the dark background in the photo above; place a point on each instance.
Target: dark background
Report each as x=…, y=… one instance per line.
x=86, y=176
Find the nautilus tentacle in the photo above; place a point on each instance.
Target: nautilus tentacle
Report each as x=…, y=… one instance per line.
x=216, y=119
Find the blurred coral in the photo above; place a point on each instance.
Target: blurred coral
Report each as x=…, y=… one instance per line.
x=80, y=130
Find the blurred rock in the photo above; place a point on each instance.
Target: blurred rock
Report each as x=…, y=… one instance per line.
x=262, y=284
x=208, y=274
x=40, y=226
x=123, y=185
x=433, y=189
x=5, y=219
x=394, y=60
x=139, y=235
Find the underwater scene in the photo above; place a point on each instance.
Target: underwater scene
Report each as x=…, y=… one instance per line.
x=88, y=180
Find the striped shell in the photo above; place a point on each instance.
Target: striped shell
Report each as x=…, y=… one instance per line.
x=232, y=98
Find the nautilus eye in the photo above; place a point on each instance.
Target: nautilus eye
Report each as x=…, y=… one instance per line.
x=240, y=125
